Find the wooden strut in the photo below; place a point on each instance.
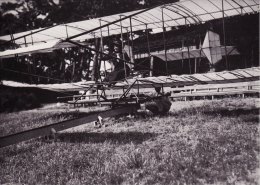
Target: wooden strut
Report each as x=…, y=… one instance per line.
x=224, y=34
x=149, y=50
x=164, y=45
x=122, y=46
x=47, y=130
x=188, y=46
x=126, y=92
x=102, y=48
x=132, y=38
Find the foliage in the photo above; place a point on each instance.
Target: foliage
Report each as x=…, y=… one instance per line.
x=25, y=14
x=13, y=101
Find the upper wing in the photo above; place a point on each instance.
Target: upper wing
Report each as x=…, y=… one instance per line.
x=174, y=14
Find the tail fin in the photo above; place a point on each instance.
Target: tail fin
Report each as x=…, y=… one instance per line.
x=211, y=47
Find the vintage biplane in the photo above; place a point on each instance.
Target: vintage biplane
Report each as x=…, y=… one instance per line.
x=123, y=90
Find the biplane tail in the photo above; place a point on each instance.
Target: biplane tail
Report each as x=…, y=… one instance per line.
x=211, y=47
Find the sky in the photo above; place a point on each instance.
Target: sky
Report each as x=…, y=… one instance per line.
x=5, y=1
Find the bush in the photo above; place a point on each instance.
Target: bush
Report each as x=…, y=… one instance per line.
x=14, y=101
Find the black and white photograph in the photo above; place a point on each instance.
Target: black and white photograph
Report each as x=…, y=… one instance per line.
x=129, y=92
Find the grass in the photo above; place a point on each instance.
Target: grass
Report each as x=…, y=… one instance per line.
x=198, y=142
x=24, y=120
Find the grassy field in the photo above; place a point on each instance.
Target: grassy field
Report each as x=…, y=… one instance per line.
x=198, y=142
x=28, y=119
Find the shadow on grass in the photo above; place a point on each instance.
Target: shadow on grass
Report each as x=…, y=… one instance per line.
x=234, y=113
x=116, y=138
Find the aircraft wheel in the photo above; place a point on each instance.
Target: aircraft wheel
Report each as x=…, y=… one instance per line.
x=160, y=106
